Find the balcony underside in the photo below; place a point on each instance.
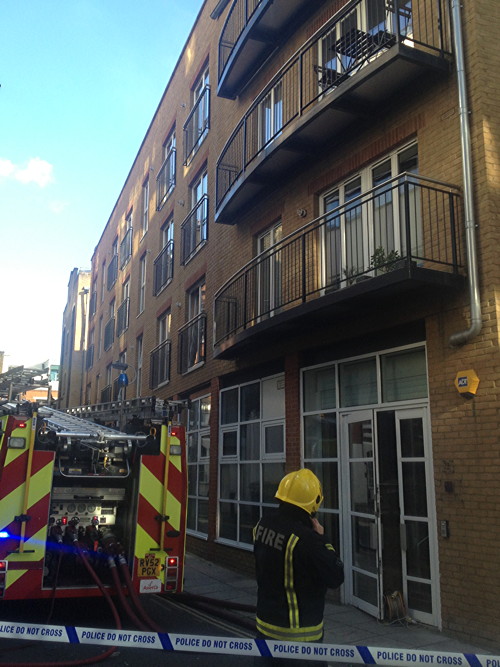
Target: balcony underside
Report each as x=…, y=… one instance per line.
x=269, y=26
x=365, y=94
x=370, y=296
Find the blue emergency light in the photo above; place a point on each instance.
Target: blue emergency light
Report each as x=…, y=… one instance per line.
x=4, y=534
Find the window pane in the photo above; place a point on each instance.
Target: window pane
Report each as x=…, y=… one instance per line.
x=192, y=447
x=250, y=482
x=228, y=521
x=203, y=481
x=358, y=383
x=202, y=516
x=250, y=402
x=192, y=480
x=229, y=443
x=274, y=439
x=319, y=389
x=250, y=442
x=418, y=560
x=272, y=474
x=205, y=446
x=229, y=482
x=194, y=411
x=320, y=436
x=249, y=515
x=404, y=375
x=204, y=412
x=327, y=473
x=229, y=406
x=415, y=498
x=412, y=438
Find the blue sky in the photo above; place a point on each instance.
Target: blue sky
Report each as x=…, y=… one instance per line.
x=80, y=82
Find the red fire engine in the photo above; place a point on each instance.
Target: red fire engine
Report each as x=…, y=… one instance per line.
x=84, y=507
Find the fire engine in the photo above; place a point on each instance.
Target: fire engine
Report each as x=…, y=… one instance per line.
x=84, y=507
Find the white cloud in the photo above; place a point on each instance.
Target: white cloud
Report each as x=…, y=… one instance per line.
x=36, y=171
x=58, y=206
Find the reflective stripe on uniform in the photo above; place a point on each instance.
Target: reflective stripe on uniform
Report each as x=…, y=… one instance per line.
x=291, y=596
x=307, y=634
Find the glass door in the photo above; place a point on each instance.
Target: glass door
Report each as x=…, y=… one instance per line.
x=362, y=521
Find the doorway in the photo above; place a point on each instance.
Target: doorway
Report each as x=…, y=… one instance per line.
x=389, y=511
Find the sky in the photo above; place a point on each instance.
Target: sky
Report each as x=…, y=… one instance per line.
x=80, y=82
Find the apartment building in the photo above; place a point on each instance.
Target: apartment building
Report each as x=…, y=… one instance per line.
x=304, y=258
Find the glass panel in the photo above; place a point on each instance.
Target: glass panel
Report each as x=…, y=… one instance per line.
x=358, y=383
x=228, y=521
x=192, y=480
x=194, y=411
x=249, y=515
x=192, y=447
x=415, y=497
x=229, y=482
x=250, y=402
x=191, y=514
x=205, y=446
x=362, y=490
x=412, y=438
x=203, y=516
x=404, y=375
x=229, y=443
x=320, y=436
x=319, y=389
x=272, y=474
x=327, y=473
x=361, y=440
x=417, y=549
x=365, y=588
x=355, y=259
x=229, y=406
x=383, y=220
x=274, y=439
x=364, y=544
x=203, y=473
x=420, y=596
x=204, y=412
x=331, y=524
x=250, y=482
x=333, y=243
x=250, y=442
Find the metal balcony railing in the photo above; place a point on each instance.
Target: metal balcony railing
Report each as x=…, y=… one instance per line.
x=160, y=364
x=126, y=248
x=122, y=317
x=112, y=274
x=89, y=357
x=197, y=125
x=165, y=181
x=355, y=36
x=163, y=268
x=109, y=333
x=194, y=230
x=106, y=394
x=192, y=343
x=409, y=221
x=237, y=20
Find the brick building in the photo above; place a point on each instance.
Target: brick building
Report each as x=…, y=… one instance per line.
x=304, y=255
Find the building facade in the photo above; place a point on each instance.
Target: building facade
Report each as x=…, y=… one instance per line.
x=303, y=260
x=74, y=341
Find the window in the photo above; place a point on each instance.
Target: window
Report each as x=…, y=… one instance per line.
x=160, y=356
x=89, y=356
x=165, y=181
x=192, y=336
x=145, y=207
x=109, y=329
x=198, y=455
x=142, y=284
x=126, y=244
x=251, y=454
x=103, y=281
x=271, y=115
x=122, y=320
x=100, y=340
x=112, y=275
x=198, y=122
x=164, y=262
x=138, y=365
x=269, y=271
x=194, y=227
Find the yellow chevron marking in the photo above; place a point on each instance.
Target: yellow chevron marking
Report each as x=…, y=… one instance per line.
x=151, y=488
x=144, y=543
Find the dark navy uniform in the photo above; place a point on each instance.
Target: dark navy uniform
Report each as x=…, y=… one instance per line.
x=294, y=566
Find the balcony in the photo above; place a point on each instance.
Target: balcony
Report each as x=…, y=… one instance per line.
x=194, y=230
x=368, y=53
x=165, y=181
x=122, y=317
x=197, y=125
x=192, y=343
x=401, y=238
x=159, y=372
x=252, y=31
x=163, y=270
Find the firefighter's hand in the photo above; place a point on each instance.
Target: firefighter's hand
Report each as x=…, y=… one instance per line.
x=317, y=526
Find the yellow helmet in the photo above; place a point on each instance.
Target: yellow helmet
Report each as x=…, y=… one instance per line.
x=301, y=488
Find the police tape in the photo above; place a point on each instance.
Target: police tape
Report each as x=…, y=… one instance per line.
x=361, y=655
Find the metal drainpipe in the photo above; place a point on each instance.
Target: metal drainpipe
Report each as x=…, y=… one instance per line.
x=462, y=337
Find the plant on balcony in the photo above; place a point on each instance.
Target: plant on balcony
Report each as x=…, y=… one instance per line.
x=382, y=262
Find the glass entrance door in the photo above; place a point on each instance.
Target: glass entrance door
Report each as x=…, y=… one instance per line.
x=362, y=529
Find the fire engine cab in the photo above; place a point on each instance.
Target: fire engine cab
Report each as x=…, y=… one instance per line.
x=84, y=506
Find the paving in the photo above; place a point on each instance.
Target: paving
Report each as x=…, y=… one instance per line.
x=344, y=624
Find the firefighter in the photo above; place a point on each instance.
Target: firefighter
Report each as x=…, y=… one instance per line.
x=295, y=563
